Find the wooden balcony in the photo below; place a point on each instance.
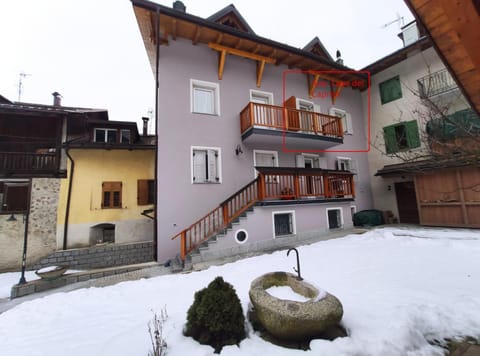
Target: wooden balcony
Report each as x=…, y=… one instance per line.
x=274, y=185
x=304, y=183
x=26, y=164
x=262, y=123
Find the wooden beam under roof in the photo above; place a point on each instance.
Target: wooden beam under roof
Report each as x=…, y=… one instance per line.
x=174, y=29
x=221, y=63
x=224, y=50
x=196, y=36
x=260, y=68
x=240, y=53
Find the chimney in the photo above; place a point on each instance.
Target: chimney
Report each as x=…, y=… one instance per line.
x=145, y=125
x=179, y=6
x=57, y=99
x=339, y=58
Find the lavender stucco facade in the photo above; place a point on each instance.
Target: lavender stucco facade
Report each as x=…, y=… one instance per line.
x=180, y=201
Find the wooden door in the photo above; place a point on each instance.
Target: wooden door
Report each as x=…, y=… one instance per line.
x=407, y=203
x=292, y=114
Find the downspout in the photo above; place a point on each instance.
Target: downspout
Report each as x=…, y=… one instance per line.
x=157, y=85
x=69, y=195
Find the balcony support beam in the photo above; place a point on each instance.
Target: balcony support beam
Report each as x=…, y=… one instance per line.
x=224, y=50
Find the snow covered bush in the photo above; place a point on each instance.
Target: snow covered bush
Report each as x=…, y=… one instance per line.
x=216, y=316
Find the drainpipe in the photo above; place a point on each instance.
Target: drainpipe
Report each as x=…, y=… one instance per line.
x=69, y=196
x=157, y=85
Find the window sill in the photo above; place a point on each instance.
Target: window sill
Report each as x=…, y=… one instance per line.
x=206, y=182
x=205, y=113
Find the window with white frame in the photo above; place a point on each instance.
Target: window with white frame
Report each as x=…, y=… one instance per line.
x=353, y=210
x=334, y=218
x=348, y=164
x=346, y=119
x=206, y=165
x=205, y=97
x=306, y=116
x=283, y=223
x=307, y=160
x=105, y=135
x=261, y=97
x=265, y=159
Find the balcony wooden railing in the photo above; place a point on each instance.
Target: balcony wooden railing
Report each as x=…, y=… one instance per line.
x=272, y=183
x=25, y=162
x=436, y=83
x=289, y=119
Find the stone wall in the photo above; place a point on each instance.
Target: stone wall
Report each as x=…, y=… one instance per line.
x=101, y=256
x=41, y=228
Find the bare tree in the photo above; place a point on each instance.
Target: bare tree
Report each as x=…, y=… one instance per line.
x=445, y=137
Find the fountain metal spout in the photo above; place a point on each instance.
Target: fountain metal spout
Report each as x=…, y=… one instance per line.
x=299, y=277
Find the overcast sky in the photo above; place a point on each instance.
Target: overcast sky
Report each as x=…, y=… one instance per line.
x=92, y=53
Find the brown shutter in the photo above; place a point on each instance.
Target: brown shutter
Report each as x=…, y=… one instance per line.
x=293, y=117
x=142, y=192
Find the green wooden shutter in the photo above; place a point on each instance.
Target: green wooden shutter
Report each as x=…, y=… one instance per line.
x=413, y=138
x=390, y=140
x=390, y=90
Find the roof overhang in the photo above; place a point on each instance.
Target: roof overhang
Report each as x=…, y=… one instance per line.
x=177, y=24
x=411, y=168
x=422, y=44
x=454, y=27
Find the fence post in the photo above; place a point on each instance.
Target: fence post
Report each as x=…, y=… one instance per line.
x=225, y=213
x=252, y=119
x=183, y=245
x=261, y=186
x=326, y=189
x=352, y=185
x=296, y=185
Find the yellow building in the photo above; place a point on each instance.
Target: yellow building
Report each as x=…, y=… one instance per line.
x=108, y=196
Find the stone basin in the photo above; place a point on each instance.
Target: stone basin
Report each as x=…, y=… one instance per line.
x=52, y=273
x=291, y=320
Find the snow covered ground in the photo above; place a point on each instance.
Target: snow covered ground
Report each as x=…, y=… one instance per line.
x=399, y=288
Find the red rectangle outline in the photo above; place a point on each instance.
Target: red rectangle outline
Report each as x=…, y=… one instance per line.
x=284, y=143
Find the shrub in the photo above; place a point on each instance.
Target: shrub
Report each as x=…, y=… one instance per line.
x=155, y=329
x=216, y=316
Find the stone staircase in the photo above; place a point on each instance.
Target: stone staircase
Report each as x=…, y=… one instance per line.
x=197, y=255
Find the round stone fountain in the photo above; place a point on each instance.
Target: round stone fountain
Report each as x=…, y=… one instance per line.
x=292, y=320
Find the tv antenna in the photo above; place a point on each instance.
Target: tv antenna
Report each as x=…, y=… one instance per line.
x=399, y=19
x=21, y=76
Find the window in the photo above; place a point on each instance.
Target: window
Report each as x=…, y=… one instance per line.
x=265, y=159
x=402, y=136
x=353, y=210
x=206, y=165
x=241, y=236
x=305, y=160
x=306, y=116
x=204, y=97
x=390, y=90
x=346, y=164
x=125, y=136
x=261, y=97
x=145, y=191
x=334, y=218
x=105, y=135
x=347, y=124
x=111, y=195
x=283, y=223
x=14, y=197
